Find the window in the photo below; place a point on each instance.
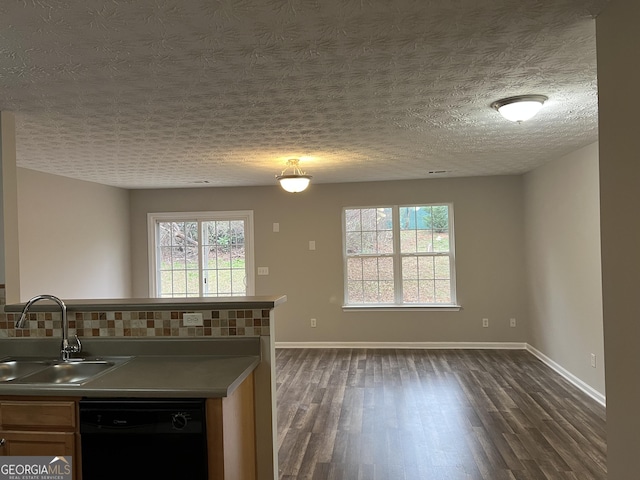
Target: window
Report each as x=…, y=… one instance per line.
x=399, y=255
x=203, y=254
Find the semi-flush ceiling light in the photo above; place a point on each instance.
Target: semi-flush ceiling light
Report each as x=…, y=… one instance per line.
x=520, y=108
x=296, y=181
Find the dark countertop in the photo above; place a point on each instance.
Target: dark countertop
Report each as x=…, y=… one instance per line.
x=154, y=304
x=181, y=367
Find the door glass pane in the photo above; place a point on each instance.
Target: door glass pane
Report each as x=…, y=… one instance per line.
x=175, y=240
x=216, y=248
x=179, y=283
x=212, y=284
x=225, y=258
x=238, y=281
x=165, y=281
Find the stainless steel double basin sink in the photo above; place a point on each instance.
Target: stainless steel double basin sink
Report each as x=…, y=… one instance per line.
x=47, y=371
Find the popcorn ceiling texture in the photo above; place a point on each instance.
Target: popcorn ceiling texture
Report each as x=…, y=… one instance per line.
x=217, y=323
x=169, y=93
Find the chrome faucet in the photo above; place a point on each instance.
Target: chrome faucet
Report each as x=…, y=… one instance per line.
x=66, y=349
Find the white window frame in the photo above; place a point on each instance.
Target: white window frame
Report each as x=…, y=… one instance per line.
x=240, y=215
x=397, y=260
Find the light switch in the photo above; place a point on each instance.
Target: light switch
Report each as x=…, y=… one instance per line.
x=263, y=270
x=276, y=227
x=312, y=244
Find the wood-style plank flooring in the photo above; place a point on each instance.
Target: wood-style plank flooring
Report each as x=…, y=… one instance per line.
x=373, y=414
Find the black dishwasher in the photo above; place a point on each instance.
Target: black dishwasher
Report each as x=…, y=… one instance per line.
x=134, y=439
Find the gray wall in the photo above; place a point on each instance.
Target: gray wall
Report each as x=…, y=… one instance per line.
x=11, y=266
x=489, y=251
x=2, y=279
x=562, y=226
x=619, y=104
x=74, y=237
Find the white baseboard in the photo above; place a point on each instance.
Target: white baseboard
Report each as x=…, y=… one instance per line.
x=593, y=393
x=406, y=345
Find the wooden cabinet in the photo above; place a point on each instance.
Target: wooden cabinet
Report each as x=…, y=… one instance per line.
x=231, y=434
x=40, y=427
x=38, y=444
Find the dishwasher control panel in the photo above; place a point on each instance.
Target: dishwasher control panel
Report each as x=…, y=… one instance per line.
x=142, y=415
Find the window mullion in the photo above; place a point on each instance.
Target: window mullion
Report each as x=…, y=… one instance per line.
x=397, y=257
x=201, y=258
x=451, y=253
x=158, y=260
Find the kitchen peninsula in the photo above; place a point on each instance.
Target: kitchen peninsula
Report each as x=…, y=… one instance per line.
x=128, y=324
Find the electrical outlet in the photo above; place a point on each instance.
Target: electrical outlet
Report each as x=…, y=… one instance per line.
x=312, y=244
x=313, y=323
x=485, y=322
x=512, y=322
x=593, y=360
x=192, y=320
x=276, y=227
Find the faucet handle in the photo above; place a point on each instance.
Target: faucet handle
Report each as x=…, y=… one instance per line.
x=77, y=348
x=67, y=348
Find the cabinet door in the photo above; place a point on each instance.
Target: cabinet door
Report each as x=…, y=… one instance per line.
x=37, y=444
x=38, y=414
x=41, y=444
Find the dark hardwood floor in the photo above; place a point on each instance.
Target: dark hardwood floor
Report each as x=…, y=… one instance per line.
x=372, y=414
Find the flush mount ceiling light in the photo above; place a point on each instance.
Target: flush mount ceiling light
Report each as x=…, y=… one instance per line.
x=296, y=181
x=520, y=108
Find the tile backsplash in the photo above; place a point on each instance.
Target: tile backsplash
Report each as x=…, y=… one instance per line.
x=163, y=323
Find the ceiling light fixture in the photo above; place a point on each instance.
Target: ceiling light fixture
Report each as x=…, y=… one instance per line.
x=296, y=181
x=520, y=108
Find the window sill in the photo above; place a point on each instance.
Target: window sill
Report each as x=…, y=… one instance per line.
x=395, y=308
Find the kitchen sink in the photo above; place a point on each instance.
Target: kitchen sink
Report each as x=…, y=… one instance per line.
x=13, y=368
x=28, y=371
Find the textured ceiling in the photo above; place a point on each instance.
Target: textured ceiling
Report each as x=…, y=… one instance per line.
x=170, y=93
